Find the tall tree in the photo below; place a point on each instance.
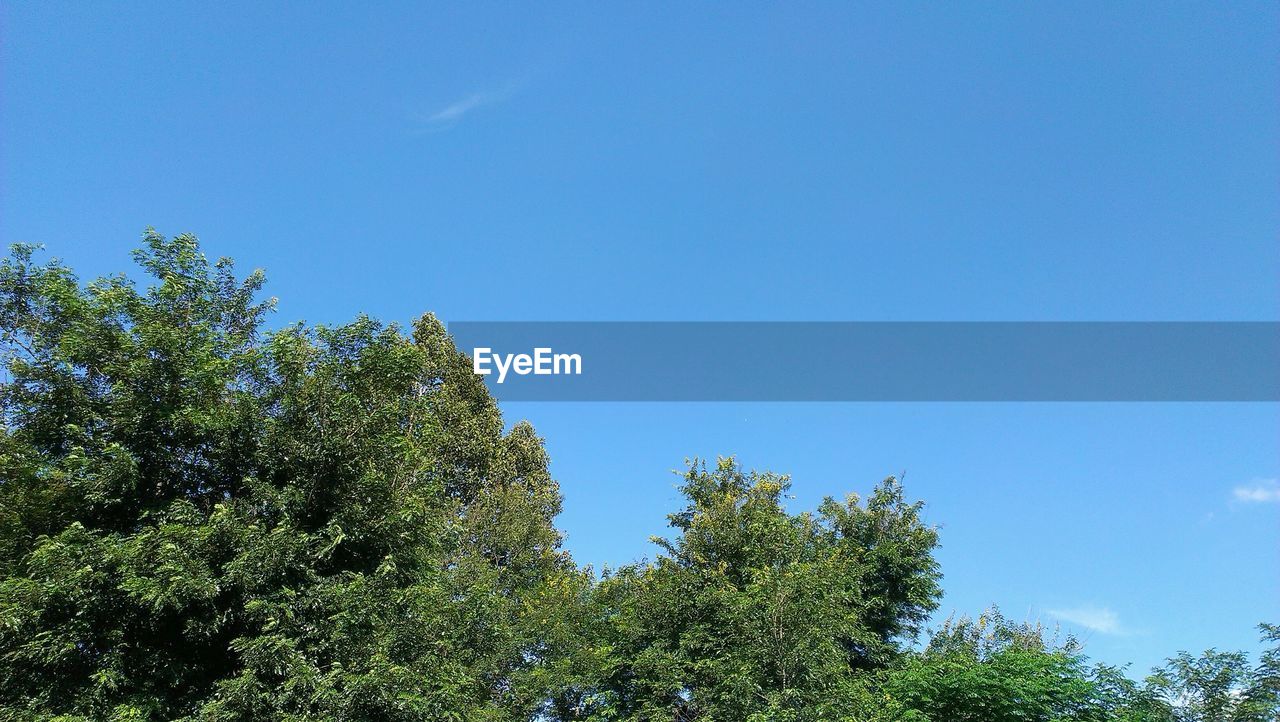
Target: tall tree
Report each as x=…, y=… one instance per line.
x=203, y=520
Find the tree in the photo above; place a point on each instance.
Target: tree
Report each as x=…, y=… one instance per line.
x=991, y=670
x=1222, y=686
x=203, y=520
x=1123, y=699
x=753, y=613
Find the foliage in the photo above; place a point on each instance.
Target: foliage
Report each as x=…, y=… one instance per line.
x=202, y=520
x=1222, y=686
x=753, y=613
x=991, y=670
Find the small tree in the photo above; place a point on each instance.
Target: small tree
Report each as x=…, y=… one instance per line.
x=753, y=613
x=1222, y=686
x=990, y=670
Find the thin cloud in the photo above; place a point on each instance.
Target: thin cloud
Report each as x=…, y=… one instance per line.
x=453, y=113
x=1259, y=491
x=1095, y=619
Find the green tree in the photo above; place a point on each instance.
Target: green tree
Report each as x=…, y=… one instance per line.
x=753, y=613
x=1222, y=686
x=202, y=520
x=991, y=670
x=1123, y=699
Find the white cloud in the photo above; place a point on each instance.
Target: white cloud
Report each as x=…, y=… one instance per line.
x=1258, y=491
x=1096, y=619
x=456, y=110
x=451, y=114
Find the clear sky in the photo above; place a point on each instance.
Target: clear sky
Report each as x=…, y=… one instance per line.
x=783, y=161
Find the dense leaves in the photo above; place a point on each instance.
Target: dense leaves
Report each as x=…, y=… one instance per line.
x=204, y=520
x=201, y=520
x=989, y=670
x=1222, y=685
x=755, y=613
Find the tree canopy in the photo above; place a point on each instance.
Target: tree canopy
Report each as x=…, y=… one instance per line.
x=202, y=518
x=753, y=613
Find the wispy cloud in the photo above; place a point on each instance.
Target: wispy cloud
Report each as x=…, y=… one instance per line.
x=451, y=114
x=1096, y=619
x=1258, y=491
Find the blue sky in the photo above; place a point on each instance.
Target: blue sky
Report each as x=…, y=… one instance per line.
x=839, y=161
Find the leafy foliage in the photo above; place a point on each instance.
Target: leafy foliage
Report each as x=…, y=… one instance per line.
x=1222, y=685
x=990, y=670
x=753, y=613
x=202, y=520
